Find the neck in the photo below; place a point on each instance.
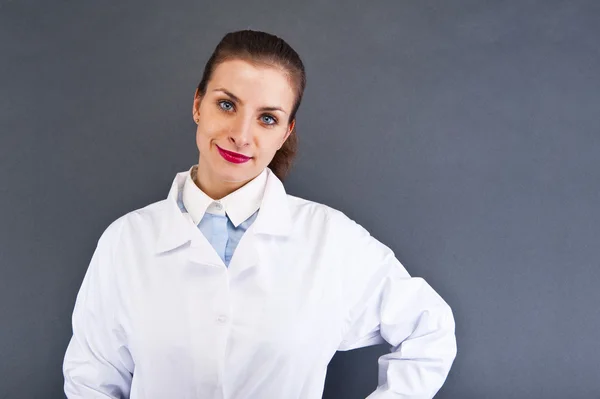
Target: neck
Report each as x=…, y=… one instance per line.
x=214, y=188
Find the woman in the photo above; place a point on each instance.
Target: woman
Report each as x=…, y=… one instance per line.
x=230, y=288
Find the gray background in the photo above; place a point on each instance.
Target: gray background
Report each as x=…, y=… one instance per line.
x=463, y=134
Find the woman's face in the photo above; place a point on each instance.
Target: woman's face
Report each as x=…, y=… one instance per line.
x=242, y=121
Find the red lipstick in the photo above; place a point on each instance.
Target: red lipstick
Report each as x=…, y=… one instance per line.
x=233, y=157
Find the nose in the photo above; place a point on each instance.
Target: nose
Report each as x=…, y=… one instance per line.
x=240, y=133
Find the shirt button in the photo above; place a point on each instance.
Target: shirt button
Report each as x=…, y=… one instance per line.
x=218, y=205
x=222, y=319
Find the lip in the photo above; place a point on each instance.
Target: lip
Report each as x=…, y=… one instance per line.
x=233, y=157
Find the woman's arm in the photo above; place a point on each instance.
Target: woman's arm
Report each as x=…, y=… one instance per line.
x=97, y=362
x=388, y=305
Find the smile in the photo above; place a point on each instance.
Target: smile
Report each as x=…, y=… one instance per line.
x=233, y=157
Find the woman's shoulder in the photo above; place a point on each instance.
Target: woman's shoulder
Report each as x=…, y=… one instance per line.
x=140, y=220
x=338, y=228
x=313, y=211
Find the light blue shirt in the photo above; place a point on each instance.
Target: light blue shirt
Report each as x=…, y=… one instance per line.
x=222, y=234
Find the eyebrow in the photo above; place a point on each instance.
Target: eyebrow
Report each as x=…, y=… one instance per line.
x=237, y=100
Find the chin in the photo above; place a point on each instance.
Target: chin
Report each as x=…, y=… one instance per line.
x=229, y=172
x=237, y=174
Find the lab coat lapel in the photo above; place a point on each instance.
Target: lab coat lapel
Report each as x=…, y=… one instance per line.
x=274, y=216
x=173, y=228
x=202, y=252
x=177, y=231
x=273, y=219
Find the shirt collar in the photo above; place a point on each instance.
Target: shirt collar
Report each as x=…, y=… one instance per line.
x=175, y=229
x=238, y=205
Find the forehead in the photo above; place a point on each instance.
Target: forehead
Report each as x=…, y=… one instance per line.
x=256, y=84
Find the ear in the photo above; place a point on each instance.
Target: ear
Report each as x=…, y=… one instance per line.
x=289, y=131
x=196, y=106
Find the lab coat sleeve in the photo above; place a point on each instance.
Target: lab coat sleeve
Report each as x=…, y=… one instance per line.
x=391, y=306
x=97, y=362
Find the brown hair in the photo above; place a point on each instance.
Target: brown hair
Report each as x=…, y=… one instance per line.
x=263, y=48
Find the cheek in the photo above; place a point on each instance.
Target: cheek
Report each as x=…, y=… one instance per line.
x=209, y=118
x=268, y=146
x=203, y=140
x=214, y=127
x=200, y=133
x=208, y=129
x=198, y=139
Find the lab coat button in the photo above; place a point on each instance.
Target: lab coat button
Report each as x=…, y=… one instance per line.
x=222, y=319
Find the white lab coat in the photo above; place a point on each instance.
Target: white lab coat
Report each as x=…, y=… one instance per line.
x=159, y=316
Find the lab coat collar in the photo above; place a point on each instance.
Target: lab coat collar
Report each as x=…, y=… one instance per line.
x=176, y=228
x=274, y=217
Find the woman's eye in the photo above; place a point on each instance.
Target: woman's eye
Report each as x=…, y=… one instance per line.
x=268, y=120
x=226, y=105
